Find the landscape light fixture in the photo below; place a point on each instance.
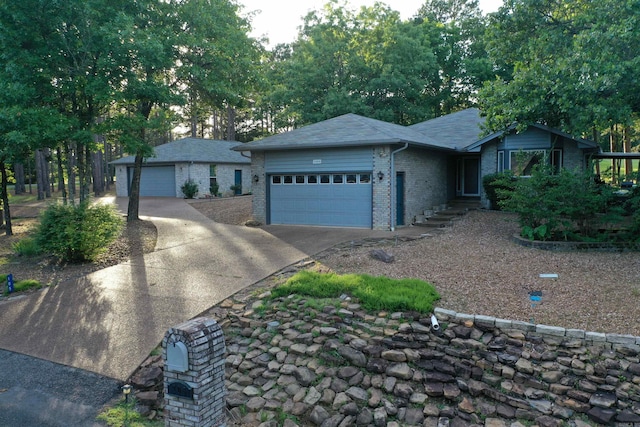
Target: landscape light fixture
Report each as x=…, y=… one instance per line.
x=380, y=175
x=126, y=390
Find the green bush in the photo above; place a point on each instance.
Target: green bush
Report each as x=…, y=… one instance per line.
x=562, y=206
x=498, y=187
x=26, y=247
x=374, y=293
x=78, y=233
x=214, y=189
x=189, y=189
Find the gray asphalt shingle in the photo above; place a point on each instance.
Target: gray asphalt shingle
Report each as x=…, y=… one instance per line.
x=197, y=150
x=457, y=130
x=343, y=131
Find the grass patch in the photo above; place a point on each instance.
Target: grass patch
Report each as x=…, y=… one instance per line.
x=20, y=286
x=125, y=414
x=374, y=293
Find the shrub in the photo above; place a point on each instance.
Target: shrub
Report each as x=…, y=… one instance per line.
x=374, y=293
x=26, y=247
x=189, y=189
x=563, y=206
x=236, y=189
x=77, y=233
x=214, y=189
x=498, y=187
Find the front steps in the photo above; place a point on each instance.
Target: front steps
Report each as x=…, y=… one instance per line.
x=444, y=215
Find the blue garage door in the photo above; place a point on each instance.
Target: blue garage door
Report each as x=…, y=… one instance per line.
x=329, y=199
x=158, y=181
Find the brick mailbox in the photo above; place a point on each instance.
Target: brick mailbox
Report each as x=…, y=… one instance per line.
x=194, y=374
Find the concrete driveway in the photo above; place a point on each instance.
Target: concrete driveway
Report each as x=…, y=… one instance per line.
x=109, y=321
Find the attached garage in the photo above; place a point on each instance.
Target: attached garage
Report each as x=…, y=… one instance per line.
x=314, y=187
x=336, y=199
x=156, y=181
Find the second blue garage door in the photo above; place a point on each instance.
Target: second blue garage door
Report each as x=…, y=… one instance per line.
x=326, y=199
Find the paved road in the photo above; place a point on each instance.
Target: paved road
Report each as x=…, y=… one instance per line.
x=36, y=392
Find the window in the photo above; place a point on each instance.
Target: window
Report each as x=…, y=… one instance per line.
x=325, y=179
x=351, y=179
x=501, y=161
x=299, y=179
x=365, y=178
x=312, y=179
x=337, y=179
x=288, y=179
x=522, y=162
x=276, y=179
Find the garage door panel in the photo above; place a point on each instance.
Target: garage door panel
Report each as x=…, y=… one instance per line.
x=339, y=204
x=157, y=181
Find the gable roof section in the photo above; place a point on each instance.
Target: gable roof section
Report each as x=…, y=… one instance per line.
x=349, y=130
x=196, y=150
x=456, y=130
x=582, y=143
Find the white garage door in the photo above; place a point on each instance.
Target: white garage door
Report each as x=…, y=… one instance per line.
x=158, y=181
x=336, y=199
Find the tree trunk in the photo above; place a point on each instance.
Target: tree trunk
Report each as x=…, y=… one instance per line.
x=134, y=192
x=81, y=165
x=231, y=123
x=71, y=174
x=18, y=173
x=40, y=174
x=5, y=199
x=216, y=125
x=98, y=175
x=61, y=183
x=47, y=172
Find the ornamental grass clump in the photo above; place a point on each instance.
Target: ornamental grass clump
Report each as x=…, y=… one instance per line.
x=78, y=233
x=374, y=293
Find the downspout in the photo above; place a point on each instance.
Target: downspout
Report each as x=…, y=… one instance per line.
x=392, y=179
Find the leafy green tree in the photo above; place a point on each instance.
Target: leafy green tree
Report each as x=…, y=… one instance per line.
x=574, y=64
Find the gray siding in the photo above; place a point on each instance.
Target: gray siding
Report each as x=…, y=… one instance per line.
x=531, y=139
x=331, y=160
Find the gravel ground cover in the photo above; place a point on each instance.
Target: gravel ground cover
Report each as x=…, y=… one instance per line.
x=478, y=269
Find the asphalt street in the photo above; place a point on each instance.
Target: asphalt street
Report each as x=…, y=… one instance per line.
x=39, y=393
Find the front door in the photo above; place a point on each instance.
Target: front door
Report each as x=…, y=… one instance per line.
x=237, y=187
x=469, y=177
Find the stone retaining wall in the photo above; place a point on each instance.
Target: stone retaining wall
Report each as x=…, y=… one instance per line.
x=531, y=369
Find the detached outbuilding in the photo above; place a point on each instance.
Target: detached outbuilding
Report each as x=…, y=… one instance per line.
x=353, y=171
x=205, y=161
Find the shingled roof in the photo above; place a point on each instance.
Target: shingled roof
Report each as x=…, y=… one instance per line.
x=192, y=150
x=457, y=130
x=349, y=130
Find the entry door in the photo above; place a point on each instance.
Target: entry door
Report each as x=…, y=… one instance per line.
x=469, y=176
x=238, y=182
x=400, y=198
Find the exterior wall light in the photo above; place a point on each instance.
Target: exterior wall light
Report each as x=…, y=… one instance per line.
x=380, y=175
x=256, y=178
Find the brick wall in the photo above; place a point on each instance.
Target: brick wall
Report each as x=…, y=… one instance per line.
x=425, y=180
x=122, y=183
x=259, y=188
x=381, y=188
x=488, y=165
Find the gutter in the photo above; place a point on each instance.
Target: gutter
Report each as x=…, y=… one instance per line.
x=393, y=185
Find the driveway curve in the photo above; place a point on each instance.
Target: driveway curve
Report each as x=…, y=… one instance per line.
x=109, y=321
